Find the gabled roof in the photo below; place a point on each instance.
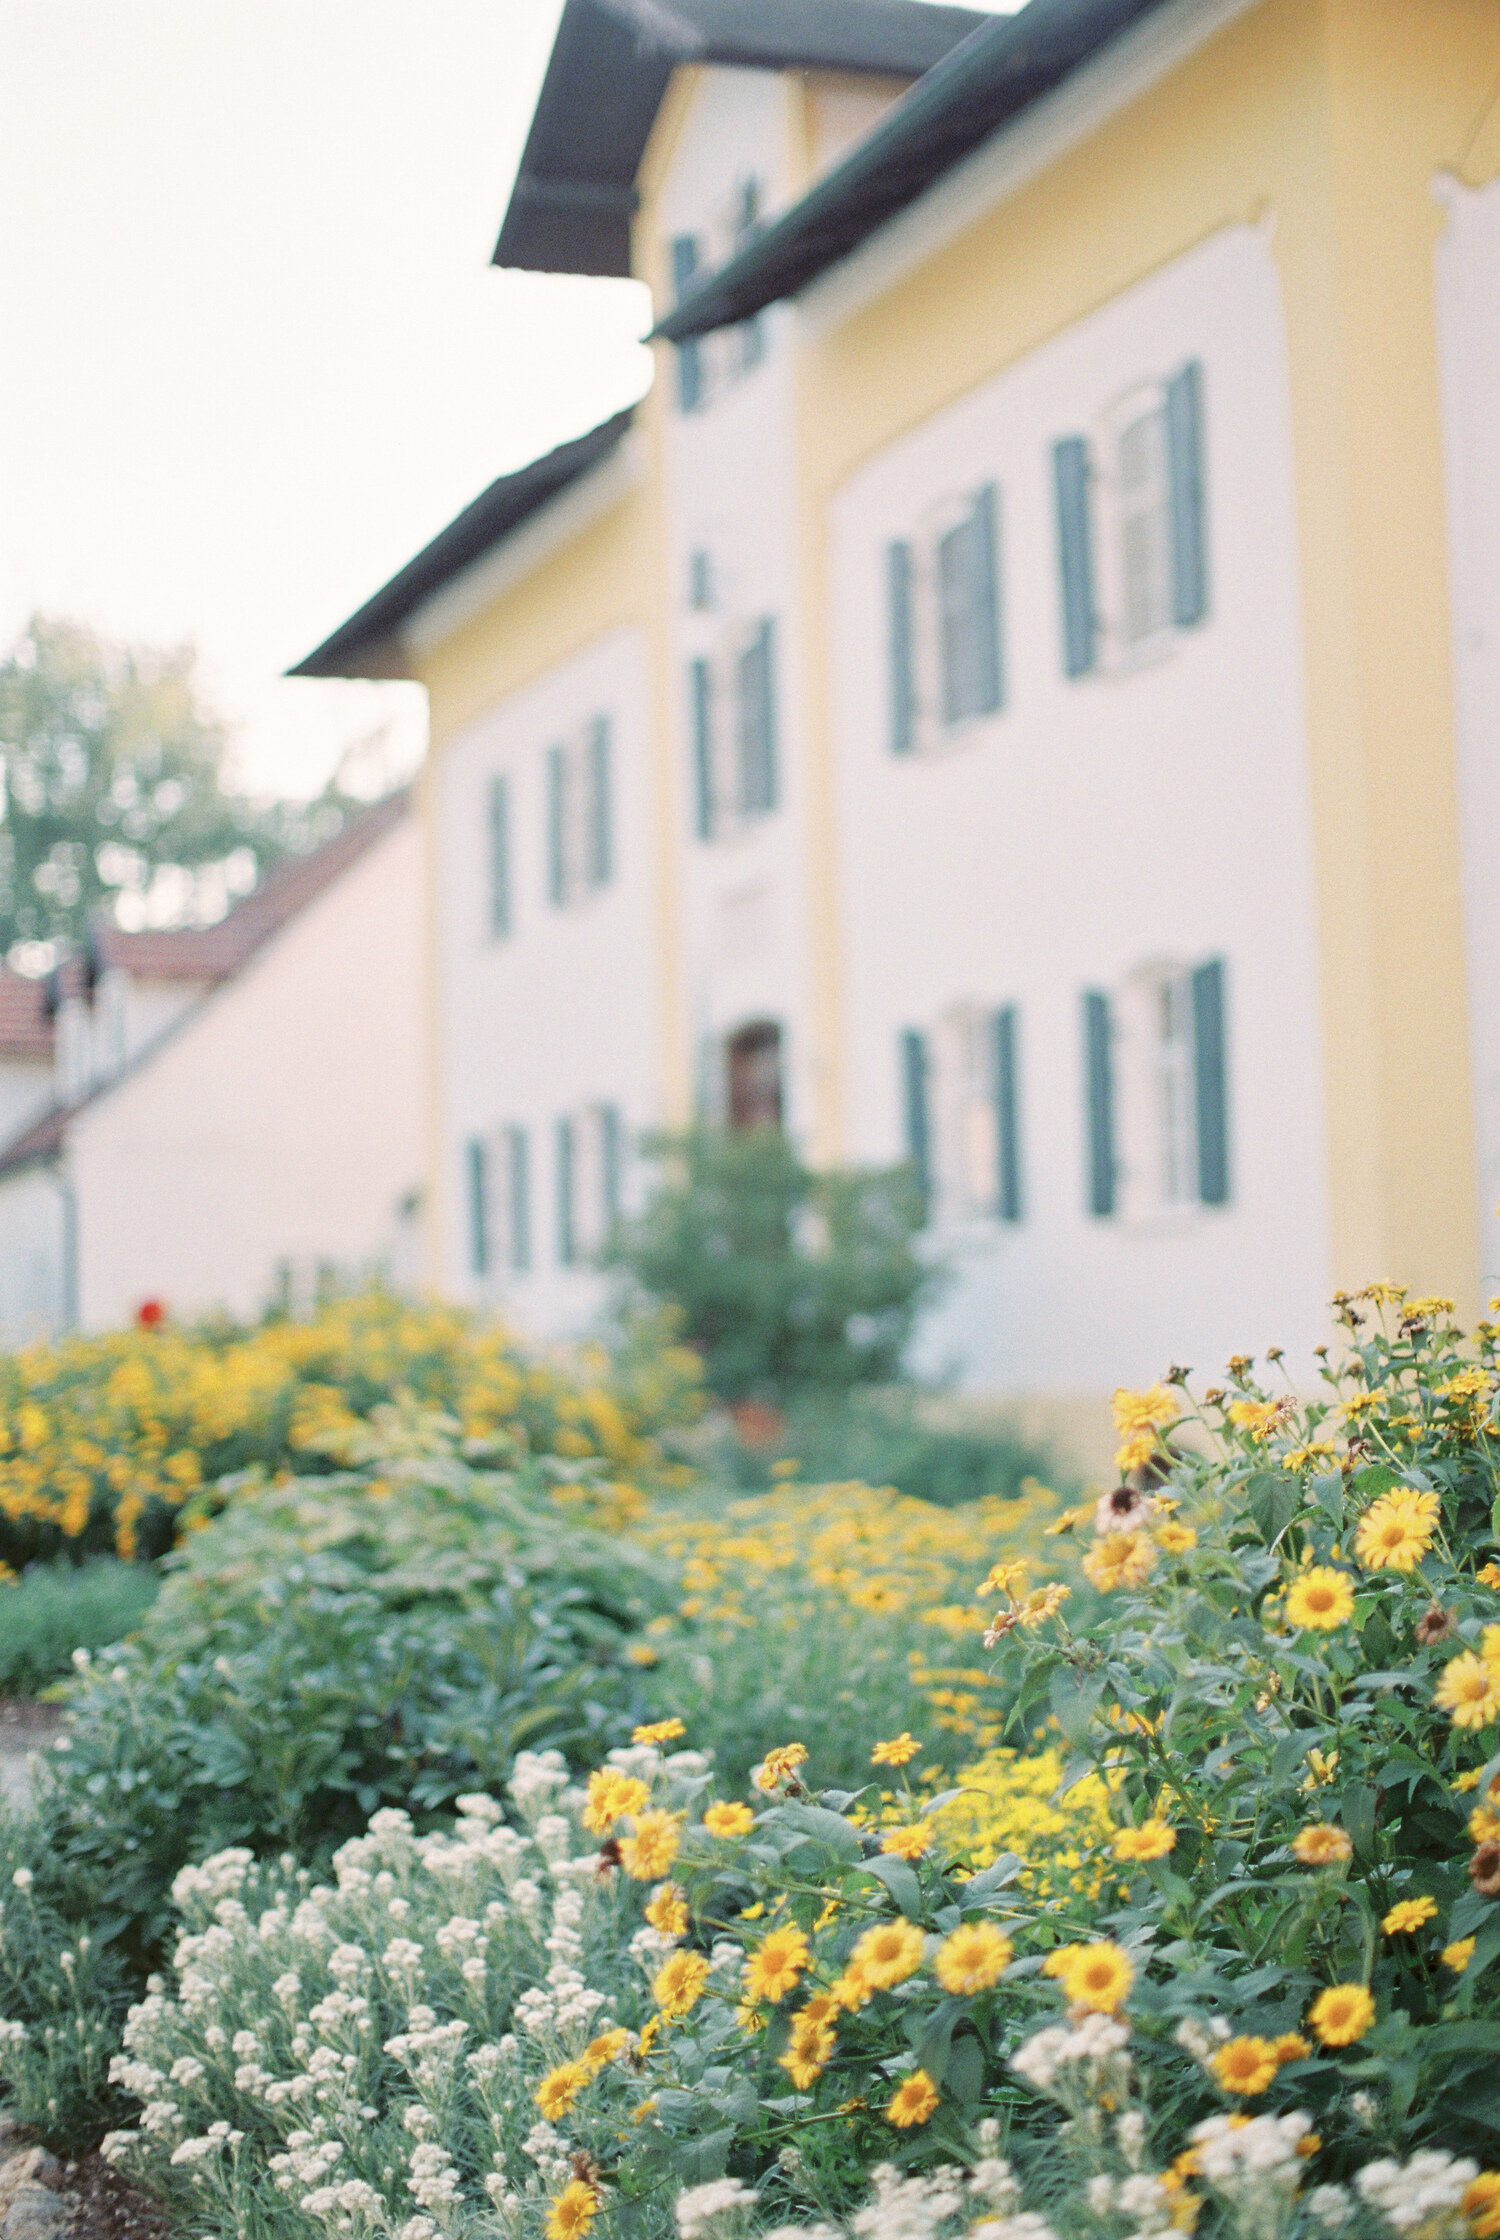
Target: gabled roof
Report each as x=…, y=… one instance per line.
x=207, y=954
x=367, y=644
x=217, y=952
x=989, y=81
x=574, y=195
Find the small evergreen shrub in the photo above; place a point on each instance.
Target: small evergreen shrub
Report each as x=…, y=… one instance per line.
x=782, y=1280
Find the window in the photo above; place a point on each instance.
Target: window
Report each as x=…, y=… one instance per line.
x=589, y=1158
x=942, y=592
x=750, y=335
x=690, y=367
x=708, y=363
x=961, y=1094
x=580, y=816
x=700, y=581
x=752, y=1058
x=498, y=1185
x=498, y=827
x=1131, y=523
x=732, y=727
x=1156, y=1091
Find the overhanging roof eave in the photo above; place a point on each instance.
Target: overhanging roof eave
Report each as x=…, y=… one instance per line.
x=982, y=86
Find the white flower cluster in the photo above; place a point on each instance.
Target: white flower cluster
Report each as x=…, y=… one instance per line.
x=379, y=2035
x=900, y=2207
x=1424, y=2195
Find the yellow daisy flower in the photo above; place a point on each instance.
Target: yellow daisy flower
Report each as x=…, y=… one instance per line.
x=776, y=1965
x=1153, y=1839
x=1408, y=1914
x=972, y=1958
x=1342, y=2014
x=1245, y=2066
x=1119, y=1559
x=912, y=2101
x=729, y=1819
x=887, y=1954
x=1321, y=1844
x=1469, y=1691
x=1320, y=1598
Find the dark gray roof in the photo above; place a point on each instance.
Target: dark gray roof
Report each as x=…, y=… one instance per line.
x=574, y=196
x=367, y=645
x=985, y=83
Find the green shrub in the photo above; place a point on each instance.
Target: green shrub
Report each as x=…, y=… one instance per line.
x=54, y=1609
x=329, y=1646
x=64, y=1990
x=784, y=1279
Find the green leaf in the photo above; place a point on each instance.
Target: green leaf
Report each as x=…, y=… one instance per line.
x=900, y=1881
x=1327, y=1491
x=1288, y=1755
x=990, y=1881
x=1074, y=1703
x=964, y=2080
x=830, y=1829
x=1273, y=1498
x=937, y=2036
x=700, y=2160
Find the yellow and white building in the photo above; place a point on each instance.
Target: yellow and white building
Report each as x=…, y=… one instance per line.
x=1023, y=690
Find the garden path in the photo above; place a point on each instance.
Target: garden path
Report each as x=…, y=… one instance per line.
x=24, y=1727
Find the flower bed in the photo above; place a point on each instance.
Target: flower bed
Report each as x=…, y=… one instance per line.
x=105, y=1442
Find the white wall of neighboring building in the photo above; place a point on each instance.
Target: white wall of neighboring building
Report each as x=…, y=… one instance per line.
x=560, y=1016
x=34, y=1246
x=729, y=473
x=1468, y=300
x=1149, y=813
x=27, y=1088
x=282, y=1124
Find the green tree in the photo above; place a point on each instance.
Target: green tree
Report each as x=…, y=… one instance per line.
x=786, y=1281
x=112, y=786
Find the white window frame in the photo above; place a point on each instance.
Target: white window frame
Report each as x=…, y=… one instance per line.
x=932, y=733
x=1156, y=1094
x=721, y=643
x=579, y=883
x=1114, y=508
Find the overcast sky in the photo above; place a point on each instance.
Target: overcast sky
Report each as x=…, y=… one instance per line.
x=252, y=352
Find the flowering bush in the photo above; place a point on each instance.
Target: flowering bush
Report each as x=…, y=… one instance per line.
x=332, y=1646
x=830, y=1612
x=105, y=1441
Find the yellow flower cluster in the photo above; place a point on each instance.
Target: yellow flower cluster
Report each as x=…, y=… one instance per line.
x=109, y=1437
x=1010, y=1802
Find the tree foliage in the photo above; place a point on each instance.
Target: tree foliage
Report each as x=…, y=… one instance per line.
x=113, y=788
x=786, y=1280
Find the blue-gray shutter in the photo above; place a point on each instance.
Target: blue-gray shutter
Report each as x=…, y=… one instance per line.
x=557, y=789
x=1008, y=1113
x=1098, y=1065
x=1075, y=554
x=903, y=677
x=701, y=716
x=479, y=1216
x=968, y=616
x=757, y=715
x=601, y=839
x=613, y=1160
x=499, y=834
x=689, y=353
x=1210, y=1083
x=518, y=1157
x=1185, y=466
x=564, y=1154
x=918, y=1127
x=989, y=688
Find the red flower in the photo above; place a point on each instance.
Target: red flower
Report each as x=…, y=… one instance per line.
x=149, y=1313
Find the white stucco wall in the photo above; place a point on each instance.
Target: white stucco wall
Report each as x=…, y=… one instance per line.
x=33, y=1255
x=27, y=1089
x=283, y=1122
x=560, y=1014
x=731, y=492
x=1468, y=301
x=1093, y=827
